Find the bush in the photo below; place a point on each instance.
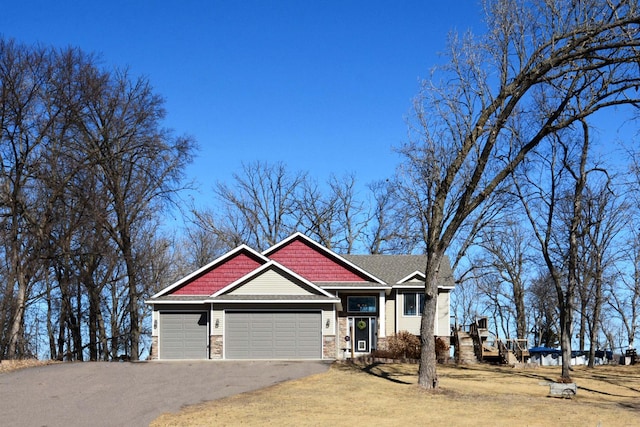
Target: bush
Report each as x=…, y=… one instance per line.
x=442, y=350
x=403, y=345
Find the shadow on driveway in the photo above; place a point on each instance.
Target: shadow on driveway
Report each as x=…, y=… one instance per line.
x=131, y=394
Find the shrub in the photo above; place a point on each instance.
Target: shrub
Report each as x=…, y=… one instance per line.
x=442, y=350
x=403, y=345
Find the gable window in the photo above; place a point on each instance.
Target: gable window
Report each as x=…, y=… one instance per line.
x=413, y=303
x=361, y=304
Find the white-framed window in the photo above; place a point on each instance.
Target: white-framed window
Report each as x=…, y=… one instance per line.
x=361, y=304
x=413, y=303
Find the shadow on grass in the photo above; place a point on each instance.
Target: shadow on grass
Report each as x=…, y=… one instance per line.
x=370, y=369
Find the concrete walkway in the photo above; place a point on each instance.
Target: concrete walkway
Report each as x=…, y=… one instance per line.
x=130, y=394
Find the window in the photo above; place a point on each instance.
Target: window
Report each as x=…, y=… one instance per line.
x=413, y=303
x=361, y=304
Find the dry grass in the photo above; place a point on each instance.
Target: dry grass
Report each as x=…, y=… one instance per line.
x=14, y=365
x=468, y=396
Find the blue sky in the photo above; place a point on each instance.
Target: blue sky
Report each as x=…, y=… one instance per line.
x=321, y=86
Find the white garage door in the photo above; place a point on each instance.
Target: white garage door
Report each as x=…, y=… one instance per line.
x=273, y=335
x=183, y=335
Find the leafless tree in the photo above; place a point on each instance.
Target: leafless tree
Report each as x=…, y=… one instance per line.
x=85, y=168
x=540, y=68
x=139, y=166
x=604, y=218
x=259, y=207
x=333, y=214
x=508, y=250
x=25, y=123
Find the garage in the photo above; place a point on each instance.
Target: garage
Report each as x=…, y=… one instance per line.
x=183, y=335
x=273, y=335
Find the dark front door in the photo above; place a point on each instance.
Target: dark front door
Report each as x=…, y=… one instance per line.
x=362, y=332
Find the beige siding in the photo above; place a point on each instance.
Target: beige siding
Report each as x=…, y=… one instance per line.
x=412, y=323
x=443, y=327
x=270, y=283
x=407, y=323
x=330, y=316
x=217, y=316
x=390, y=307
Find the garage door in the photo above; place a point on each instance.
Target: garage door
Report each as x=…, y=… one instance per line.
x=183, y=335
x=273, y=335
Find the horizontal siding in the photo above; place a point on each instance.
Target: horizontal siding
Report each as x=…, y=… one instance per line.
x=270, y=283
x=444, y=319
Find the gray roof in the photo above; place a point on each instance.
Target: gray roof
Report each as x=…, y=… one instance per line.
x=393, y=268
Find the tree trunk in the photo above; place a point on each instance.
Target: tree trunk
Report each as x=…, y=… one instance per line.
x=16, y=349
x=566, y=319
x=427, y=372
x=597, y=308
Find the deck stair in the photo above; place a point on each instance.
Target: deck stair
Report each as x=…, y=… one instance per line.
x=476, y=344
x=465, y=351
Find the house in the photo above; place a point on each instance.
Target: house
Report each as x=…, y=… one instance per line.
x=296, y=300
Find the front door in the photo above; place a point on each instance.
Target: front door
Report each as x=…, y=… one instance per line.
x=363, y=333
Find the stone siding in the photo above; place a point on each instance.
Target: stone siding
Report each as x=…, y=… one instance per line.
x=329, y=347
x=216, y=347
x=153, y=353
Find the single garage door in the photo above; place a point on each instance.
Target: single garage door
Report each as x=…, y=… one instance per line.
x=183, y=335
x=273, y=335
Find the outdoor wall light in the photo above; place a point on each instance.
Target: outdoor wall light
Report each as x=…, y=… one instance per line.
x=217, y=323
x=328, y=323
x=155, y=324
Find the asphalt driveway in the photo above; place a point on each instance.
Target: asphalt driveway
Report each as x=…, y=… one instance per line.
x=130, y=394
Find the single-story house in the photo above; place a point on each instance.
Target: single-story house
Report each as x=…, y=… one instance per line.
x=296, y=300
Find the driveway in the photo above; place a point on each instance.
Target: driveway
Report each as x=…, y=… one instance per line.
x=130, y=394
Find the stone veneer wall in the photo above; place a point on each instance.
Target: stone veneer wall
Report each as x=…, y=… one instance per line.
x=329, y=347
x=382, y=343
x=216, y=347
x=153, y=353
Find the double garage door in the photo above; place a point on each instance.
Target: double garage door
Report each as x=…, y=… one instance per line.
x=248, y=335
x=273, y=335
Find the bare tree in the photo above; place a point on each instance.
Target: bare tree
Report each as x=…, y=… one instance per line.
x=138, y=164
x=508, y=251
x=25, y=122
x=541, y=67
x=258, y=209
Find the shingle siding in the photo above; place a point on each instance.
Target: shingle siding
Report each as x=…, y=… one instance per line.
x=219, y=276
x=313, y=265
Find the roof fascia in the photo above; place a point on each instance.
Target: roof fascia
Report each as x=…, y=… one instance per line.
x=327, y=251
x=154, y=302
x=209, y=266
x=272, y=301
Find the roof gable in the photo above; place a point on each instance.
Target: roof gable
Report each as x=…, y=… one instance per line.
x=217, y=274
x=415, y=277
x=272, y=279
x=315, y=262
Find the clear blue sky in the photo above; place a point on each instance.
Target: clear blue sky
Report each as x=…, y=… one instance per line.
x=323, y=86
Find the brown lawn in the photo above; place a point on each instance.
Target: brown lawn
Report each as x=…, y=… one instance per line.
x=471, y=395
x=14, y=365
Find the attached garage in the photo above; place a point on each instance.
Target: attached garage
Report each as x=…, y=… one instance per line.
x=273, y=335
x=183, y=335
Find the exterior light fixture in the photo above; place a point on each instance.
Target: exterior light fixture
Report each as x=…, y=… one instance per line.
x=217, y=323
x=328, y=323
